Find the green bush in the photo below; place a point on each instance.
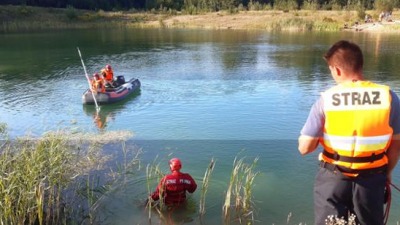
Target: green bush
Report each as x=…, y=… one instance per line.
x=255, y=6
x=191, y=10
x=336, y=6
x=71, y=12
x=310, y=5
x=25, y=11
x=385, y=5
x=233, y=10
x=361, y=12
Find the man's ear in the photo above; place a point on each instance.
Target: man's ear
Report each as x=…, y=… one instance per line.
x=338, y=71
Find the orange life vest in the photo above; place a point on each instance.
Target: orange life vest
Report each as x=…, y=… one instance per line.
x=357, y=131
x=98, y=85
x=109, y=75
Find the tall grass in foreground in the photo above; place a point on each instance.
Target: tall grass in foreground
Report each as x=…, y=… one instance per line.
x=3, y=128
x=40, y=179
x=239, y=193
x=204, y=187
x=153, y=175
x=33, y=175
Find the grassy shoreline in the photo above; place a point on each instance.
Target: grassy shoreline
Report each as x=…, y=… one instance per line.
x=25, y=19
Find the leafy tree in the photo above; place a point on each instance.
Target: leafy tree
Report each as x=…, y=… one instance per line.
x=385, y=5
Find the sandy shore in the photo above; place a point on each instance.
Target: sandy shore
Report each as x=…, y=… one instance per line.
x=384, y=26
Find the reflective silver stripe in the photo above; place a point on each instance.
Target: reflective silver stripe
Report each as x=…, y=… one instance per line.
x=356, y=143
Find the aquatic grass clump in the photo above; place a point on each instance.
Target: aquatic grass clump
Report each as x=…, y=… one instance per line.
x=239, y=195
x=41, y=179
x=3, y=128
x=33, y=175
x=153, y=175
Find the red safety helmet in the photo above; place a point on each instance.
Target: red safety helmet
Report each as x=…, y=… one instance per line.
x=96, y=75
x=175, y=164
x=108, y=67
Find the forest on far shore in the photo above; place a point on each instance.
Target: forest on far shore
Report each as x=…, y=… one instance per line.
x=202, y=6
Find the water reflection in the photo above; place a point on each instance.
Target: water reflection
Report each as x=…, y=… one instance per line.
x=100, y=119
x=107, y=113
x=181, y=214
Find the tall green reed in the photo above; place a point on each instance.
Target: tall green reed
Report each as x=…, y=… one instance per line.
x=3, y=128
x=204, y=186
x=153, y=175
x=239, y=195
x=36, y=175
x=33, y=174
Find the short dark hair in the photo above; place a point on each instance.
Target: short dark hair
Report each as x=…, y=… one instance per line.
x=346, y=55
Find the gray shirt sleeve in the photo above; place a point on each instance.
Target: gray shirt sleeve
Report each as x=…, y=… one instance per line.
x=395, y=113
x=314, y=126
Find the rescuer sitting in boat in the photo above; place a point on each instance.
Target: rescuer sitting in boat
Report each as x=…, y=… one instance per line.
x=108, y=75
x=172, y=187
x=98, y=84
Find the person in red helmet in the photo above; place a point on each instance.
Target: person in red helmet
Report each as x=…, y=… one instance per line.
x=173, y=186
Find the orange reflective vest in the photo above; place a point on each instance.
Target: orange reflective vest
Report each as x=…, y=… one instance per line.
x=109, y=75
x=357, y=131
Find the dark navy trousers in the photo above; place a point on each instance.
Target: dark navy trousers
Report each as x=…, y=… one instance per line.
x=336, y=194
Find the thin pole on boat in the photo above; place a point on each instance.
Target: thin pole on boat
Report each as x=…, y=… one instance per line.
x=88, y=80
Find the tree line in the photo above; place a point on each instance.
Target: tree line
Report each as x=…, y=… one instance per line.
x=195, y=6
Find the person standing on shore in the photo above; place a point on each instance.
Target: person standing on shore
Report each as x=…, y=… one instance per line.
x=357, y=122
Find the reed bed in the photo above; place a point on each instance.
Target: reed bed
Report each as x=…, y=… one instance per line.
x=239, y=195
x=33, y=174
x=41, y=179
x=153, y=175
